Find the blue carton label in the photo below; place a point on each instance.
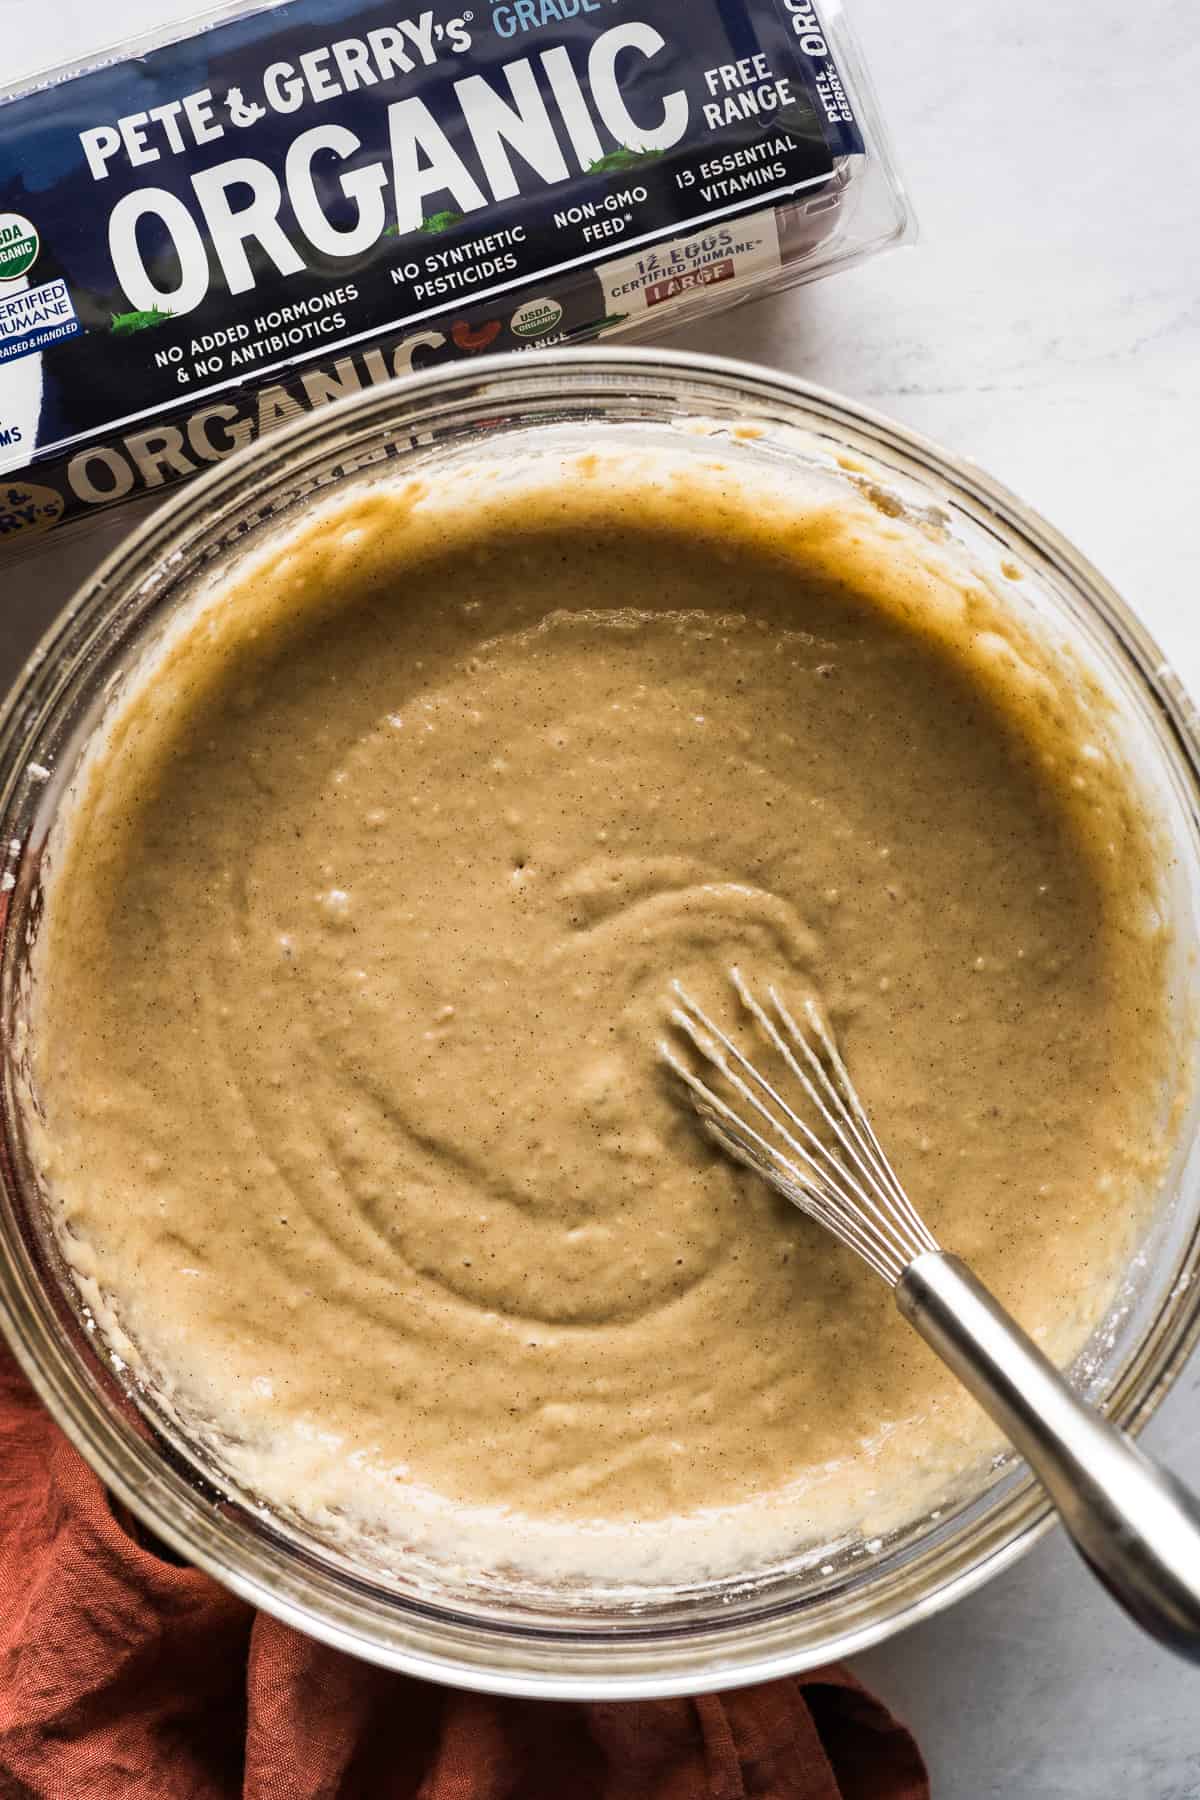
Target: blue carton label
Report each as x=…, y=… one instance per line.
x=323, y=177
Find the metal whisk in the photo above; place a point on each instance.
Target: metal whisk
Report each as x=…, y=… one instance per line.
x=1136, y=1526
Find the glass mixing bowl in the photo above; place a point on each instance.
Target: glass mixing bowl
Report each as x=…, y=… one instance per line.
x=634, y=1643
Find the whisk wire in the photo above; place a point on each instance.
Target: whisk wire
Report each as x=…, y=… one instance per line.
x=699, y=1028
x=850, y=1187
x=806, y=1187
x=839, y=1105
x=905, y=1213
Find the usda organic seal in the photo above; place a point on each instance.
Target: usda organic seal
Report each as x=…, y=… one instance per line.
x=19, y=245
x=536, y=318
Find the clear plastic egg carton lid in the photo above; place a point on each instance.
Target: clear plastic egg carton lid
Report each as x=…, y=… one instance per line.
x=242, y=215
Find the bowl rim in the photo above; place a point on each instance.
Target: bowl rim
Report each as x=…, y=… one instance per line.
x=59, y=1379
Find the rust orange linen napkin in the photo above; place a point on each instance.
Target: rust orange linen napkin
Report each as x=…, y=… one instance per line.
x=123, y=1676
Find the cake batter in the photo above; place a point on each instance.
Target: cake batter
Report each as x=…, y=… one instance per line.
x=357, y=948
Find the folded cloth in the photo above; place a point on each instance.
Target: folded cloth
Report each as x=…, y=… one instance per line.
x=123, y=1675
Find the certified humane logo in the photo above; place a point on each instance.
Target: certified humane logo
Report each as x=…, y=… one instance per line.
x=19, y=245
x=536, y=318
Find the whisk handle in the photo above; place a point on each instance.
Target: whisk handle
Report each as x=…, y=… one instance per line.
x=1135, y=1525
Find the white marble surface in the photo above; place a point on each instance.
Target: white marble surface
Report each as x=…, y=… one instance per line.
x=1048, y=324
